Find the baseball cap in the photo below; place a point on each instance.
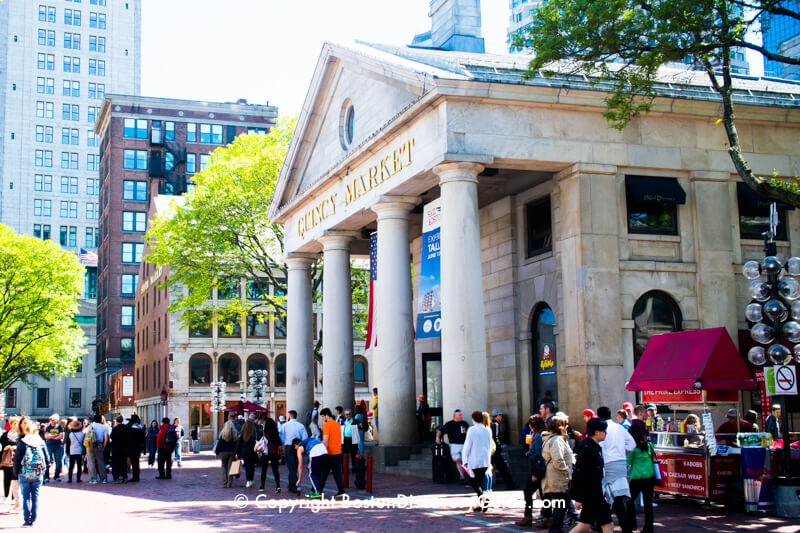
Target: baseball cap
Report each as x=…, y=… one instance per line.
x=627, y=406
x=421, y=397
x=281, y=418
x=496, y=412
x=241, y=417
x=731, y=413
x=652, y=406
x=589, y=412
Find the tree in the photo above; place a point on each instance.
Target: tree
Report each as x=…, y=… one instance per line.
x=222, y=233
x=626, y=41
x=39, y=289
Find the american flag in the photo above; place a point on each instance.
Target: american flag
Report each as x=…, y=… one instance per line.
x=372, y=338
x=88, y=256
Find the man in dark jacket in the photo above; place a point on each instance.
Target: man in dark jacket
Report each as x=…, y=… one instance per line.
x=497, y=457
x=119, y=450
x=136, y=440
x=164, y=449
x=587, y=481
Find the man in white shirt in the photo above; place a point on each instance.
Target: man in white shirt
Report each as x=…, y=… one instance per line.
x=615, y=447
x=94, y=456
x=288, y=432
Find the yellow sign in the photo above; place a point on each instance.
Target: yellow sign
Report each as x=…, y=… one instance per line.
x=153, y=278
x=389, y=164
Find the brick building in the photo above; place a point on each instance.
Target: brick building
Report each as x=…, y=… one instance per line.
x=148, y=146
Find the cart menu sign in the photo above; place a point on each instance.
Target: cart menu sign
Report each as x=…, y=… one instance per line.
x=673, y=396
x=686, y=474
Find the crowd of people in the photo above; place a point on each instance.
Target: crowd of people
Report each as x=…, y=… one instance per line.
x=34, y=454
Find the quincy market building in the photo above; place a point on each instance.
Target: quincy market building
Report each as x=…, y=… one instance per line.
x=564, y=244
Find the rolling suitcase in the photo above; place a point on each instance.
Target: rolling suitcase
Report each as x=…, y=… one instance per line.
x=440, y=464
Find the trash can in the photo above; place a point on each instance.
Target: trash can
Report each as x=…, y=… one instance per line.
x=787, y=497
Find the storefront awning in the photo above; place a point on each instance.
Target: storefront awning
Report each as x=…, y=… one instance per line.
x=677, y=361
x=753, y=200
x=647, y=189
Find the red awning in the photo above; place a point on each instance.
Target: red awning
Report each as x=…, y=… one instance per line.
x=676, y=361
x=241, y=407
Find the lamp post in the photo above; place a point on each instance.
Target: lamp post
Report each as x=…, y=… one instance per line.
x=773, y=314
x=258, y=380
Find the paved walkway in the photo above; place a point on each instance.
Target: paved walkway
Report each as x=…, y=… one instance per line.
x=194, y=500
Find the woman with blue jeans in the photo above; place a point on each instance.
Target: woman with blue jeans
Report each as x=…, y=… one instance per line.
x=359, y=418
x=30, y=463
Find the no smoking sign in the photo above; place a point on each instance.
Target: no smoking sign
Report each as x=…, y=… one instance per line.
x=781, y=380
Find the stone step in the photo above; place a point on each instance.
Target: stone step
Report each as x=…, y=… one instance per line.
x=409, y=471
x=420, y=462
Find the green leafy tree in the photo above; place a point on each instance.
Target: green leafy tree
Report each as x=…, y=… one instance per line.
x=626, y=41
x=222, y=233
x=39, y=289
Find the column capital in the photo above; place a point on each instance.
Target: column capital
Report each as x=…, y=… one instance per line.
x=337, y=239
x=395, y=206
x=458, y=171
x=299, y=261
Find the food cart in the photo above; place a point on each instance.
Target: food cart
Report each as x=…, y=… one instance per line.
x=697, y=371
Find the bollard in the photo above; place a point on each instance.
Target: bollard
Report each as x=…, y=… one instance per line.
x=346, y=470
x=369, y=474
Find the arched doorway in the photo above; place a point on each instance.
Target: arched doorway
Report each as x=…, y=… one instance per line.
x=544, y=377
x=654, y=312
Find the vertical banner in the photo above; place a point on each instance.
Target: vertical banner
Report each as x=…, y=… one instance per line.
x=372, y=338
x=429, y=307
x=766, y=401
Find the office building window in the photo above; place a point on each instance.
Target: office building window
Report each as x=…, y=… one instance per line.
x=45, y=85
x=71, y=88
x=127, y=319
x=134, y=221
x=97, y=44
x=43, y=183
x=134, y=190
x=191, y=133
x=44, y=134
x=72, y=17
x=72, y=41
x=97, y=20
x=652, y=204
x=134, y=159
x=132, y=252
x=211, y=133
x=43, y=158
x=91, y=238
x=42, y=398
x=44, y=109
x=92, y=139
x=92, y=211
x=92, y=186
x=70, y=112
x=72, y=64
x=169, y=131
x=69, y=185
x=46, y=37
x=169, y=161
x=135, y=128
x=91, y=116
x=92, y=162
x=69, y=209
x=204, y=160
x=128, y=286
x=97, y=91
x=191, y=163
x=69, y=160
x=45, y=61
x=70, y=136
x=100, y=3
x=97, y=67
x=11, y=398
x=41, y=208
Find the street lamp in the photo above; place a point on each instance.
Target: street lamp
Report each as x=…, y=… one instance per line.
x=258, y=380
x=773, y=314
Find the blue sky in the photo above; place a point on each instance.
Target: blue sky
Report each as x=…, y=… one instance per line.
x=266, y=50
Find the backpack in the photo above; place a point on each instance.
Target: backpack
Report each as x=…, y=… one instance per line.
x=171, y=438
x=538, y=466
x=363, y=424
x=89, y=439
x=308, y=418
x=32, y=464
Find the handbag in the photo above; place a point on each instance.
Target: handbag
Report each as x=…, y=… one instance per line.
x=235, y=469
x=656, y=467
x=368, y=436
x=7, y=459
x=261, y=445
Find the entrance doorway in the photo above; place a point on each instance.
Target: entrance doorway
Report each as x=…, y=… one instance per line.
x=432, y=387
x=544, y=377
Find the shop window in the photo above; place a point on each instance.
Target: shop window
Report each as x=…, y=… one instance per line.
x=200, y=415
x=201, y=327
x=653, y=313
x=257, y=362
x=280, y=326
x=652, y=204
x=230, y=327
x=280, y=370
x=229, y=368
x=539, y=227
x=754, y=214
x=200, y=369
x=545, y=378
x=258, y=325
x=74, y=398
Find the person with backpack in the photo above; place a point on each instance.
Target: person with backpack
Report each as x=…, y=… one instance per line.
x=558, y=459
x=75, y=449
x=30, y=463
x=165, y=445
x=136, y=445
x=586, y=486
x=537, y=468
x=152, y=435
x=96, y=440
x=641, y=462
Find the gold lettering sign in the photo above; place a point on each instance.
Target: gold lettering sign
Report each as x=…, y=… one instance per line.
x=357, y=186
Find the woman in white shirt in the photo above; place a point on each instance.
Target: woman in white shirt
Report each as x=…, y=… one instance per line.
x=477, y=457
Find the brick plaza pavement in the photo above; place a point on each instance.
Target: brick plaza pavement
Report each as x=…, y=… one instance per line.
x=195, y=501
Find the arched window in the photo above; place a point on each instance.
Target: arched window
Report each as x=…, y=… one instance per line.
x=200, y=369
x=359, y=370
x=229, y=368
x=280, y=370
x=655, y=312
x=257, y=361
x=544, y=362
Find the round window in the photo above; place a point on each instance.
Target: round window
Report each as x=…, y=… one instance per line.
x=347, y=124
